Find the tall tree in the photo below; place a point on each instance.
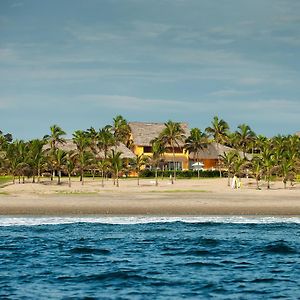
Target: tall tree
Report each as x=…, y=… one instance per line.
x=54, y=139
x=137, y=164
x=158, y=150
x=37, y=157
x=116, y=164
x=84, y=156
x=106, y=140
x=228, y=161
x=171, y=136
x=196, y=142
x=121, y=130
x=245, y=136
x=219, y=131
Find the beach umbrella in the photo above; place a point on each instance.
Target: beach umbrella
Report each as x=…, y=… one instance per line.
x=198, y=166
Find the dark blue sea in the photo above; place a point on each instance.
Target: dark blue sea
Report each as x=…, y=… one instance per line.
x=150, y=258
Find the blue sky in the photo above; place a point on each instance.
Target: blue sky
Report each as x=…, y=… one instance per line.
x=80, y=63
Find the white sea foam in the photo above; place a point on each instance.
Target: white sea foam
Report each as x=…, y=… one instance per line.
x=127, y=220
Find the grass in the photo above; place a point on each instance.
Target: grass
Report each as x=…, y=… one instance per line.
x=5, y=179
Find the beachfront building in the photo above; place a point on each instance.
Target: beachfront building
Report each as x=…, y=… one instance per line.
x=209, y=155
x=143, y=133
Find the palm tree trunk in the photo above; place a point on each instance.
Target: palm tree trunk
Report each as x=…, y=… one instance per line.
x=228, y=179
x=39, y=175
x=14, y=179
x=156, y=179
x=81, y=177
x=58, y=178
x=117, y=178
x=257, y=183
x=138, y=177
x=102, y=179
x=219, y=163
x=173, y=179
x=69, y=179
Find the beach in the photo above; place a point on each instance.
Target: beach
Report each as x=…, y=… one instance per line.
x=185, y=197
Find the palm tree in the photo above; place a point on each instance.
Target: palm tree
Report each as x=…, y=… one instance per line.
x=103, y=166
x=37, y=157
x=121, y=130
x=256, y=168
x=172, y=135
x=116, y=164
x=158, y=149
x=137, y=163
x=196, y=142
x=268, y=163
x=218, y=130
x=54, y=139
x=228, y=160
x=55, y=136
x=287, y=169
x=70, y=164
x=106, y=140
x=245, y=136
x=60, y=160
x=84, y=157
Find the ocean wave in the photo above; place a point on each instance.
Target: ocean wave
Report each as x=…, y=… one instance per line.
x=129, y=220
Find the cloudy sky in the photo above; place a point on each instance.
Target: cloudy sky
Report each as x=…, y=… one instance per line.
x=79, y=63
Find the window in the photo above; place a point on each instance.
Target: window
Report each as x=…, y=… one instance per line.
x=147, y=149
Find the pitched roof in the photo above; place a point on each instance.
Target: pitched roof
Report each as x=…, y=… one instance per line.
x=143, y=133
x=69, y=145
x=214, y=150
x=297, y=133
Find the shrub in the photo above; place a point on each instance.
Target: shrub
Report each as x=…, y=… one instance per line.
x=181, y=174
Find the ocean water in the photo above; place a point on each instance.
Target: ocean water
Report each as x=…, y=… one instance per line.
x=150, y=258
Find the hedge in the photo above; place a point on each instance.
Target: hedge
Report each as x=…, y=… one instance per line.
x=181, y=174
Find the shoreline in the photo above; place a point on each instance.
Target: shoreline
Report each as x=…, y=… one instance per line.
x=184, y=198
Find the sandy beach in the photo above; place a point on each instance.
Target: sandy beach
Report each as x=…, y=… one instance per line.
x=185, y=197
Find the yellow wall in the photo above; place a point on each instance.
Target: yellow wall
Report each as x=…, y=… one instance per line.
x=184, y=157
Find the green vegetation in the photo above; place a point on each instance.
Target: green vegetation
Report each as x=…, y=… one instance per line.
x=96, y=152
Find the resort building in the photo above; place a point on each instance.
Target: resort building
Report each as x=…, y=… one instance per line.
x=143, y=133
x=209, y=155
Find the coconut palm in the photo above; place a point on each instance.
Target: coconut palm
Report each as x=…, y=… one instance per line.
x=83, y=154
x=137, y=164
x=219, y=131
x=106, y=140
x=196, y=142
x=60, y=160
x=268, y=162
x=286, y=169
x=54, y=139
x=37, y=157
x=256, y=168
x=116, y=164
x=171, y=136
x=70, y=164
x=121, y=130
x=103, y=166
x=158, y=149
x=245, y=136
x=228, y=160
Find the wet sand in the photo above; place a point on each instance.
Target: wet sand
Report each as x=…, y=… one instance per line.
x=185, y=197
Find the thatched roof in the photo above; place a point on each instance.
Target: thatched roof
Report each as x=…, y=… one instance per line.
x=69, y=145
x=297, y=133
x=214, y=150
x=143, y=133
x=126, y=153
